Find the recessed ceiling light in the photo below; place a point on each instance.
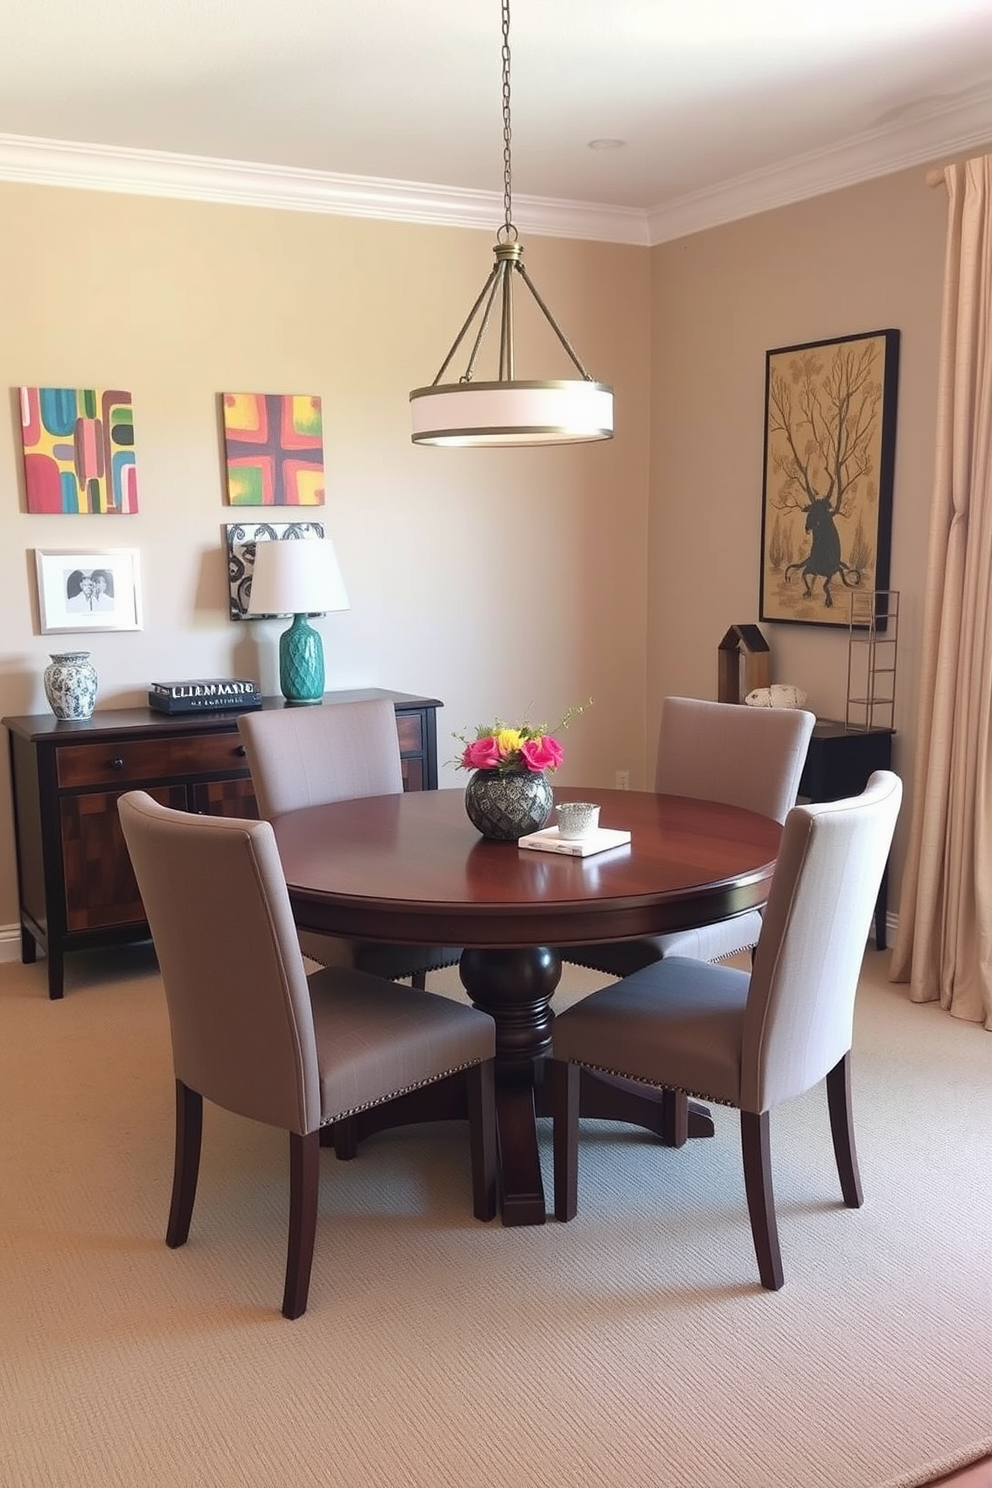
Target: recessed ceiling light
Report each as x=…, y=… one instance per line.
x=607, y=144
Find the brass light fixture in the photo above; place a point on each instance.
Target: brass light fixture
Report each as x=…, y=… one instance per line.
x=508, y=411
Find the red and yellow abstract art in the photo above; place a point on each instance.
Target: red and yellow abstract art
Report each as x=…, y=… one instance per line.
x=275, y=449
x=78, y=450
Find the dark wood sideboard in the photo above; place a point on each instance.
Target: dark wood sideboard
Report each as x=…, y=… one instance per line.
x=75, y=885
x=838, y=764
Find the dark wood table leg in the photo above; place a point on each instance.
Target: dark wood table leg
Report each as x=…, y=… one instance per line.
x=515, y=987
x=610, y=1098
x=445, y=1100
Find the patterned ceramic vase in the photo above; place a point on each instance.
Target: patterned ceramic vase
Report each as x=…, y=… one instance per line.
x=70, y=684
x=505, y=807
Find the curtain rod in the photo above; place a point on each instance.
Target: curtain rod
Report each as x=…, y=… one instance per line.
x=934, y=178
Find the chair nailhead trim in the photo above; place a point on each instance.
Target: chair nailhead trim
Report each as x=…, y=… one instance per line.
x=395, y=1094
x=654, y=1084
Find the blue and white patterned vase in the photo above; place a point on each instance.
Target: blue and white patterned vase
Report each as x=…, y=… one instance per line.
x=70, y=684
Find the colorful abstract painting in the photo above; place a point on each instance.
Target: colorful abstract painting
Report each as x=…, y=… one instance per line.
x=78, y=450
x=275, y=449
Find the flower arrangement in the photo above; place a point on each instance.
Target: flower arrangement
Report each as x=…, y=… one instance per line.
x=515, y=749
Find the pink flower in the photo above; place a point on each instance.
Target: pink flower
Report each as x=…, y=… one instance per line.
x=481, y=754
x=514, y=749
x=542, y=753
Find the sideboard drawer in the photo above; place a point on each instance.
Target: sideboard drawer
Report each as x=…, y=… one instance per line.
x=149, y=759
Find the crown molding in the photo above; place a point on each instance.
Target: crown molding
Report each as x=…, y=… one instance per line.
x=929, y=132
x=46, y=162
x=946, y=130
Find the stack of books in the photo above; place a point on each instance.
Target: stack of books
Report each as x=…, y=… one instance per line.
x=206, y=693
x=549, y=840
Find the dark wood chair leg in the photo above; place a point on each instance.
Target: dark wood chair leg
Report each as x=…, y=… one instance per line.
x=564, y=1088
x=480, y=1084
x=842, y=1131
x=304, y=1183
x=756, y=1147
x=419, y=979
x=186, y=1168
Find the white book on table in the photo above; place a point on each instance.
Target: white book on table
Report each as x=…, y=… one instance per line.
x=549, y=840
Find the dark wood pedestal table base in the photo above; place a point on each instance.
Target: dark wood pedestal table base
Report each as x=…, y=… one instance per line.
x=413, y=870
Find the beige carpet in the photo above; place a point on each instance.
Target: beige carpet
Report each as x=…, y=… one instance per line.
x=632, y=1347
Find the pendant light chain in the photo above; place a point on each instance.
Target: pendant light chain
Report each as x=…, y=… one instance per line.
x=508, y=233
x=507, y=411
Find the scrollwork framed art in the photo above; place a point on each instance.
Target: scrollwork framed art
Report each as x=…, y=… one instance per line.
x=241, y=540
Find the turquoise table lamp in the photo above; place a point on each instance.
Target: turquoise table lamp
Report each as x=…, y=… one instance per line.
x=298, y=577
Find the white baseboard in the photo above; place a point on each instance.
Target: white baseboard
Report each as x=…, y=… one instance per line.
x=10, y=943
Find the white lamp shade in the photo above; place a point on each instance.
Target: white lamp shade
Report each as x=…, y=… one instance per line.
x=296, y=576
x=506, y=413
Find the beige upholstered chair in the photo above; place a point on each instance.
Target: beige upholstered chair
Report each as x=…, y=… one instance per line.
x=335, y=752
x=750, y=757
x=750, y=1040
x=251, y=1032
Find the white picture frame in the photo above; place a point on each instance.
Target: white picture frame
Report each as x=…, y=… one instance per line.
x=88, y=589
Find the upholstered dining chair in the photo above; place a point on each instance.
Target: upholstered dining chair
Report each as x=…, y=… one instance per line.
x=749, y=1039
x=252, y=1033
x=335, y=752
x=728, y=752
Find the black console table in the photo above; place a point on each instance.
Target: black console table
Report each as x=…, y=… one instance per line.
x=75, y=884
x=839, y=762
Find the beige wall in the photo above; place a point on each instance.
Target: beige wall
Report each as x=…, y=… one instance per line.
x=455, y=560
x=864, y=259
x=459, y=564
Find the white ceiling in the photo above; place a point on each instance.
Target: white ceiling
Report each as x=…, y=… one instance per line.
x=394, y=109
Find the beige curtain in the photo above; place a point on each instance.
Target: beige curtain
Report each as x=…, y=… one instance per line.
x=944, y=946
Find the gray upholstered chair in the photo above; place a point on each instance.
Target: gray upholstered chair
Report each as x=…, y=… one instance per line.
x=750, y=757
x=335, y=752
x=251, y=1032
x=750, y=1040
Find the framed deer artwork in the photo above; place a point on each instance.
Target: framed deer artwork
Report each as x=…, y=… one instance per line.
x=826, y=516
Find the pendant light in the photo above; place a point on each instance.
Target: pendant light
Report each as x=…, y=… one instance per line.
x=508, y=411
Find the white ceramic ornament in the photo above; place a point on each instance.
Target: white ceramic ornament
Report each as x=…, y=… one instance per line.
x=779, y=695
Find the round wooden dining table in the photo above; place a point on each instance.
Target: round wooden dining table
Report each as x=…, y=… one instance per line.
x=412, y=869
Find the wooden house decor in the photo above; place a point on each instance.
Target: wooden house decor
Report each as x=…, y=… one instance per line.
x=743, y=663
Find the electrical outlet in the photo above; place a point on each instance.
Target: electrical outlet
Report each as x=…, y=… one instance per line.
x=623, y=780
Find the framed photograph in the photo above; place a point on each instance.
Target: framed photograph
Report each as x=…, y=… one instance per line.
x=88, y=589
x=826, y=516
x=241, y=540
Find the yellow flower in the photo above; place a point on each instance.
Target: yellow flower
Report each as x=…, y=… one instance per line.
x=508, y=741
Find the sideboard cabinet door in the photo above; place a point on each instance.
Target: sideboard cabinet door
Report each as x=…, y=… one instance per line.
x=100, y=888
